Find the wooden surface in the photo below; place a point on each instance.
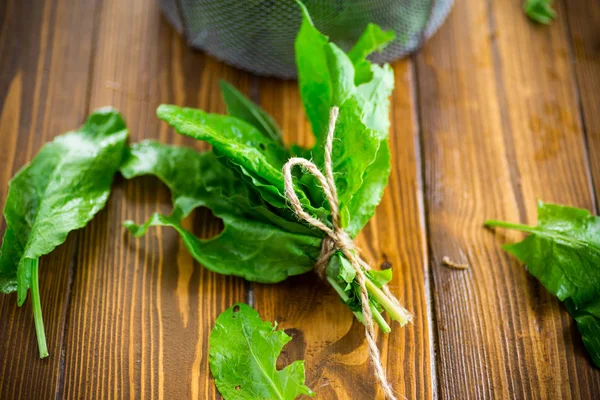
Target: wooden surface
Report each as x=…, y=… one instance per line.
x=492, y=114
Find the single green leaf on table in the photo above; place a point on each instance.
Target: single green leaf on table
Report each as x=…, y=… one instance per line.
x=256, y=243
x=243, y=351
x=563, y=253
x=59, y=191
x=540, y=11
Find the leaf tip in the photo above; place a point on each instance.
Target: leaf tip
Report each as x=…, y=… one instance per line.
x=132, y=227
x=105, y=119
x=165, y=111
x=304, y=10
x=223, y=84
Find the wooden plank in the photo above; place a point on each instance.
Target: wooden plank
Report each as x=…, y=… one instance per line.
x=43, y=93
x=584, y=27
x=543, y=127
x=142, y=309
x=500, y=129
x=325, y=333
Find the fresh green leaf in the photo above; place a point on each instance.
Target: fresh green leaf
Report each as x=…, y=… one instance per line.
x=241, y=146
x=346, y=272
x=380, y=278
x=540, y=11
x=563, y=253
x=372, y=39
x=256, y=243
x=314, y=79
x=241, y=107
x=59, y=191
x=245, y=147
x=374, y=98
x=243, y=351
x=375, y=179
x=326, y=76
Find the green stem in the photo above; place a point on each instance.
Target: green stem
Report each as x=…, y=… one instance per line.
x=385, y=328
x=396, y=312
x=376, y=314
x=344, y=297
x=338, y=289
x=509, y=225
x=37, y=310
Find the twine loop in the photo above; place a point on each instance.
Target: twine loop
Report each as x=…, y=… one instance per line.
x=337, y=239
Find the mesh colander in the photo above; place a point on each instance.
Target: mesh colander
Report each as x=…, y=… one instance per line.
x=258, y=35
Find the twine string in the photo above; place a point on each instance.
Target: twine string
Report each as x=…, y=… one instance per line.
x=338, y=240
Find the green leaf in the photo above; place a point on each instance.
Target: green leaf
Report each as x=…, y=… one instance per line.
x=241, y=107
x=375, y=99
x=372, y=39
x=245, y=147
x=243, y=351
x=327, y=78
x=375, y=179
x=256, y=243
x=258, y=159
x=540, y=11
x=346, y=272
x=380, y=278
x=563, y=253
x=314, y=81
x=59, y=191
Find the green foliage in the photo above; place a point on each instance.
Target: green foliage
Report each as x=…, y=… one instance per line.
x=327, y=78
x=563, y=253
x=241, y=179
x=240, y=107
x=539, y=10
x=256, y=243
x=59, y=191
x=243, y=352
x=373, y=39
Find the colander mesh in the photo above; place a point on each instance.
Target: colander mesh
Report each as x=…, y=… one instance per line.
x=258, y=35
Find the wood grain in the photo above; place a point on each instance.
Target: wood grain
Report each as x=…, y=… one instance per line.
x=325, y=333
x=44, y=78
x=142, y=309
x=500, y=129
x=584, y=27
x=494, y=113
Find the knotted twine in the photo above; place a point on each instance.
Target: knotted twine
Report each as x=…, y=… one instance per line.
x=338, y=240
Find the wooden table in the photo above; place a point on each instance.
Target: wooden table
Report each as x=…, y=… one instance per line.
x=492, y=114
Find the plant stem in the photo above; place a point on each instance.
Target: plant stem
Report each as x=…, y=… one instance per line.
x=37, y=309
x=344, y=297
x=509, y=225
x=359, y=316
x=385, y=328
x=338, y=289
x=396, y=312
